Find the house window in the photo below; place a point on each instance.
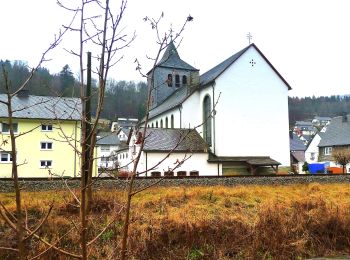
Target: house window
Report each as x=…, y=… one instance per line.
x=184, y=80
x=172, y=121
x=152, y=125
x=46, y=145
x=45, y=163
x=134, y=149
x=161, y=123
x=177, y=81
x=166, y=122
x=312, y=157
x=5, y=157
x=5, y=128
x=170, y=80
x=104, y=159
x=207, y=120
x=327, y=150
x=156, y=124
x=46, y=128
x=105, y=148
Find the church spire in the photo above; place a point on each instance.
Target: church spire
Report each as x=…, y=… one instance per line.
x=170, y=53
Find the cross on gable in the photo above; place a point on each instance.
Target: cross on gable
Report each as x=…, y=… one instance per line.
x=252, y=62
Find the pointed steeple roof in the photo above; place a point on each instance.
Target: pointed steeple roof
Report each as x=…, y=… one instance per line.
x=171, y=59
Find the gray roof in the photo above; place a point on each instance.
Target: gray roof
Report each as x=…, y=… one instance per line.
x=127, y=122
x=107, y=138
x=298, y=156
x=338, y=133
x=179, y=96
x=303, y=123
x=171, y=59
x=213, y=73
x=252, y=160
x=323, y=118
x=125, y=130
x=181, y=140
x=42, y=107
x=172, y=101
x=296, y=144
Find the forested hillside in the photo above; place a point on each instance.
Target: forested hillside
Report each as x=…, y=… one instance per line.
x=122, y=98
x=308, y=107
x=128, y=98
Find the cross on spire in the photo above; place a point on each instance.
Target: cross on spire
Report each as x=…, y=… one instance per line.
x=249, y=37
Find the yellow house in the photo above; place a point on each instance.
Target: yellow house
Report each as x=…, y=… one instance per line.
x=47, y=136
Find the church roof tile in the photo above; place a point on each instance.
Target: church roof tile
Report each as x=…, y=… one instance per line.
x=171, y=59
x=177, y=140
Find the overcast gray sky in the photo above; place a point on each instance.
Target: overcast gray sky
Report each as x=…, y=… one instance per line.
x=306, y=40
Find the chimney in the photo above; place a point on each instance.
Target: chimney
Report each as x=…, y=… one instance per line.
x=23, y=93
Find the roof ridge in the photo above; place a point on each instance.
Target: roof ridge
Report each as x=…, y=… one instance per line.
x=230, y=60
x=168, y=97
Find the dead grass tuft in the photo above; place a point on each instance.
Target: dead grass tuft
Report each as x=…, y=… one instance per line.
x=253, y=222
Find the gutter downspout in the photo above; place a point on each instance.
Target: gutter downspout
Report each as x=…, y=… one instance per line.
x=214, y=113
x=146, y=165
x=180, y=109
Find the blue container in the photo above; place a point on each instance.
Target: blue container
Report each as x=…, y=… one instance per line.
x=317, y=168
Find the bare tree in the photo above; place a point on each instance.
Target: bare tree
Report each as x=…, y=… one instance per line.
x=163, y=40
x=17, y=222
x=342, y=157
x=101, y=29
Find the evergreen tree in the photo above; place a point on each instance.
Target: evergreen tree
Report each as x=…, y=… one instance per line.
x=67, y=80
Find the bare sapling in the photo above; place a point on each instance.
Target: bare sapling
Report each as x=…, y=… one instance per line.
x=18, y=222
x=100, y=31
x=163, y=40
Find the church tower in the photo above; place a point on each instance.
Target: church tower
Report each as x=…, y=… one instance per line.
x=171, y=74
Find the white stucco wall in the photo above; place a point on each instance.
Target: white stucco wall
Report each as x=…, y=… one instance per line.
x=252, y=113
x=101, y=154
x=122, y=136
x=175, y=112
x=313, y=149
x=197, y=161
x=124, y=158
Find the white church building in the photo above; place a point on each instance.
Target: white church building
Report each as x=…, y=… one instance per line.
x=239, y=109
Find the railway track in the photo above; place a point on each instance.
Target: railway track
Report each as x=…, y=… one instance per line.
x=40, y=184
x=335, y=176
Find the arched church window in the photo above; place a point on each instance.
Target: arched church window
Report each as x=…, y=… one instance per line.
x=156, y=124
x=172, y=121
x=177, y=81
x=152, y=125
x=207, y=120
x=161, y=123
x=166, y=122
x=184, y=80
x=169, y=81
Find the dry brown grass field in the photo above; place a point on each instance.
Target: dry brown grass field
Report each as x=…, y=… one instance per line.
x=250, y=222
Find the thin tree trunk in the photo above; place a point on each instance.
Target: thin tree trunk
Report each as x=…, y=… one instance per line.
x=20, y=219
x=127, y=219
